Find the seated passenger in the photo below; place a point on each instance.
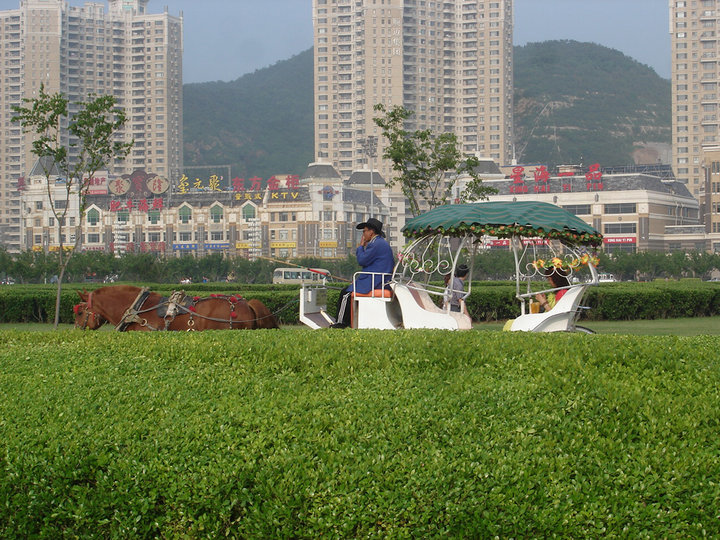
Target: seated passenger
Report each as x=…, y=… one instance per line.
x=455, y=290
x=374, y=254
x=557, y=278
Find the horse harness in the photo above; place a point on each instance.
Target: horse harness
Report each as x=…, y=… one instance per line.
x=88, y=314
x=168, y=308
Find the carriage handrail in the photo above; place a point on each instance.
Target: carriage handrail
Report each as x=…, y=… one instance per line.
x=383, y=276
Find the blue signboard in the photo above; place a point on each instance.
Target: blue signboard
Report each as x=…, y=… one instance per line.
x=184, y=247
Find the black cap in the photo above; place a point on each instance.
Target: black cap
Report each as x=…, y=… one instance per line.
x=373, y=224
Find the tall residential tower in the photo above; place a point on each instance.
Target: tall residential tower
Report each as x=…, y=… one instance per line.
x=695, y=43
x=123, y=51
x=449, y=61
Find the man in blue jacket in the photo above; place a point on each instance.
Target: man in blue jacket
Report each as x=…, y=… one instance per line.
x=374, y=254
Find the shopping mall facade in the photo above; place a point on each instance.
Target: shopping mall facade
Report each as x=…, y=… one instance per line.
x=314, y=214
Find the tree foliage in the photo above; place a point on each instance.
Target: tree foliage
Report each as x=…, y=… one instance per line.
x=495, y=264
x=428, y=164
x=90, y=148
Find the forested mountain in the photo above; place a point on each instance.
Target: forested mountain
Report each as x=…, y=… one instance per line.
x=581, y=102
x=573, y=102
x=261, y=123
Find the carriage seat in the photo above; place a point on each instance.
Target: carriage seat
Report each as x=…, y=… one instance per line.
x=419, y=311
x=561, y=318
x=374, y=311
x=376, y=293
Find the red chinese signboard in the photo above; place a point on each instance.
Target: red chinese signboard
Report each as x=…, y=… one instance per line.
x=620, y=240
x=541, y=177
x=142, y=205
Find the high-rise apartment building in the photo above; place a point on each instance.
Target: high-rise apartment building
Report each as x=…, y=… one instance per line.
x=695, y=44
x=123, y=51
x=449, y=61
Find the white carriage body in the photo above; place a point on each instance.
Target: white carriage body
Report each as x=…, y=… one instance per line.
x=405, y=299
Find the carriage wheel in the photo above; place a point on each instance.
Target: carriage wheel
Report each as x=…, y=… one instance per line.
x=584, y=330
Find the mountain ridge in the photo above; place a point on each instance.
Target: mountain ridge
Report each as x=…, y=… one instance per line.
x=574, y=102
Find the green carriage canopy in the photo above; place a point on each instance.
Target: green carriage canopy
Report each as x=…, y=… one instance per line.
x=503, y=219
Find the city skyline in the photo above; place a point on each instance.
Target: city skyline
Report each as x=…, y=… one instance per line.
x=278, y=29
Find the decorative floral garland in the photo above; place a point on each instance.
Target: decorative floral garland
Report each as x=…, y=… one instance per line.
x=573, y=264
x=506, y=231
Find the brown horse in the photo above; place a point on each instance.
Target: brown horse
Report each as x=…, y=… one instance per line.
x=84, y=318
x=133, y=308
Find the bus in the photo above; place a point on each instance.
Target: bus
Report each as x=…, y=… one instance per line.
x=300, y=275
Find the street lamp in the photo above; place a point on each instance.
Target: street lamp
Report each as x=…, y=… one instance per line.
x=369, y=146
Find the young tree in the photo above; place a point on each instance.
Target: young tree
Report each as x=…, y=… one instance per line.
x=428, y=164
x=91, y=148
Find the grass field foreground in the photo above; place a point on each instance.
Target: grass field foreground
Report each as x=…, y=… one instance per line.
x=316, y=434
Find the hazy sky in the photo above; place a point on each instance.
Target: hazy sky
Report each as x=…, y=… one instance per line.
x=225, y=39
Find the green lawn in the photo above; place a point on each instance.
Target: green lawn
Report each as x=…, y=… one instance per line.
x=347, y=434
x=696, y=326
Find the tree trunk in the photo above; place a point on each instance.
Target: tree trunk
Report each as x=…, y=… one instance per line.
x=59, y=291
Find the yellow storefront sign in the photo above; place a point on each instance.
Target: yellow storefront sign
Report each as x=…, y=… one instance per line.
x=242, y=245
x=283, y=244
x=327, y=244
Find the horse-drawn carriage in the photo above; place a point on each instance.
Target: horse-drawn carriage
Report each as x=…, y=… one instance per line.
x=545, y=240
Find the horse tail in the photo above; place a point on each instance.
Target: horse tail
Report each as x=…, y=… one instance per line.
x=264, y=318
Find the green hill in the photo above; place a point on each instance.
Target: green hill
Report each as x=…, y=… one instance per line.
x=573, y=102
x=581, y=102
x=261, y=123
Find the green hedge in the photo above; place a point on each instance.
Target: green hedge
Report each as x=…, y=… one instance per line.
x=295, y=433
x=489, y=301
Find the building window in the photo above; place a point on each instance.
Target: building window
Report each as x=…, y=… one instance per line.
x=123, y=216
x=93, y=217
x=217, y=236
x=578, y=209
x=216, y=214
x=621, y=208
x=93, y=238
x=185, y=236
x=185, y=214
x=248, y=212
x=620, y=228
x=154, y=216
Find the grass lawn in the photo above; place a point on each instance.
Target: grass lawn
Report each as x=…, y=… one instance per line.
x=696, y=326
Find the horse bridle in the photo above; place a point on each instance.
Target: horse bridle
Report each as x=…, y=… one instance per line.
x=96, y=318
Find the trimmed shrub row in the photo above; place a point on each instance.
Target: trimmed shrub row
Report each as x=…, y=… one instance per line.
x=336, y=434
x=488, y=301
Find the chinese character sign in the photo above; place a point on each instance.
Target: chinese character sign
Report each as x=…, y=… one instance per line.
x=594, y=178
x=183, y=185
x=142, y=205
x=569, y=181
x=237, y=184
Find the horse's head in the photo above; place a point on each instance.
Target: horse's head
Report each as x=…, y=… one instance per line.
x=86, y=319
